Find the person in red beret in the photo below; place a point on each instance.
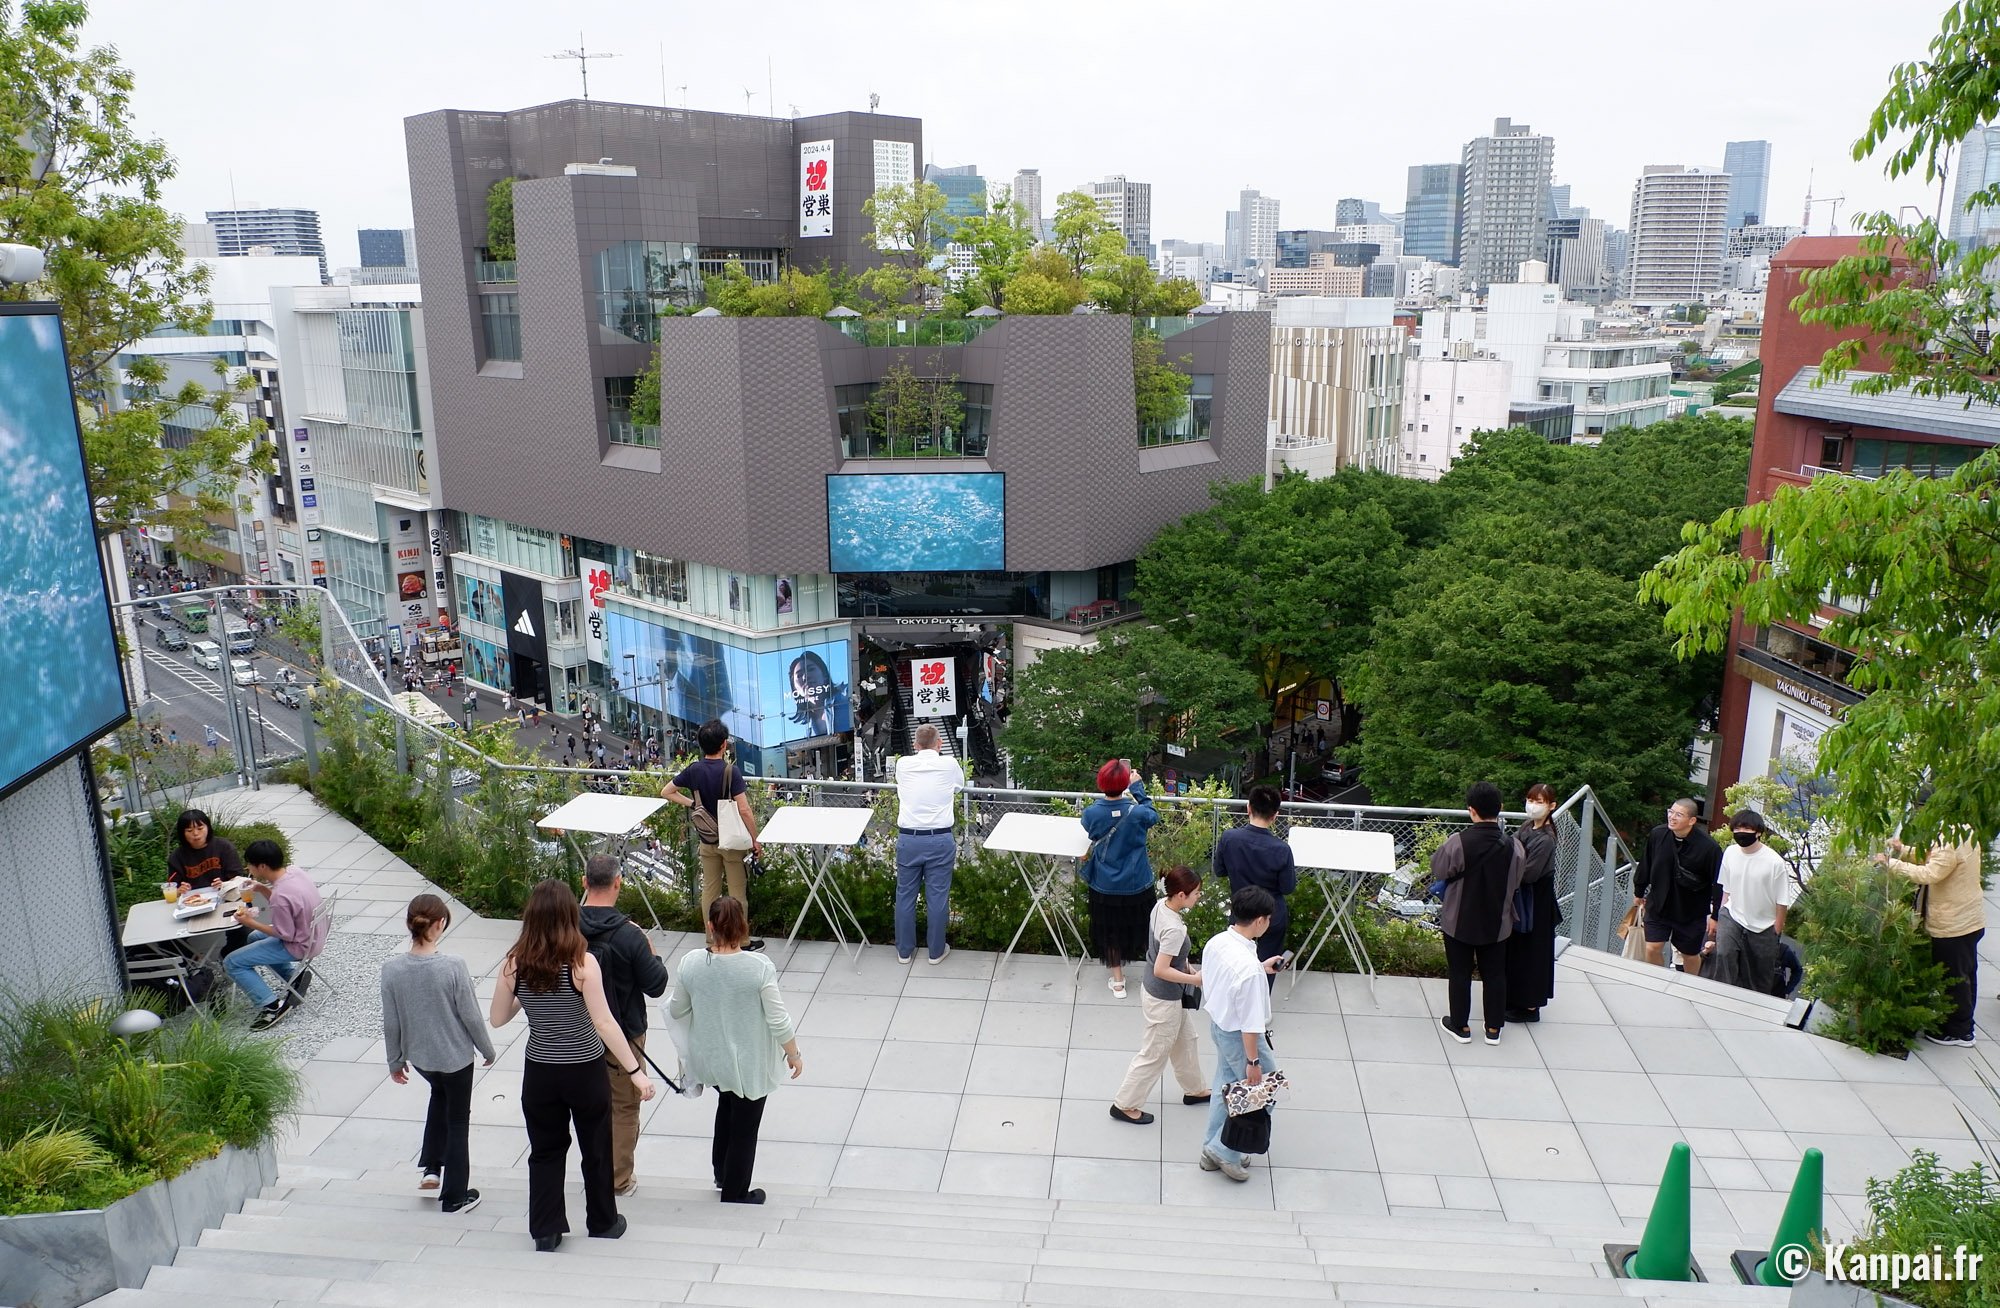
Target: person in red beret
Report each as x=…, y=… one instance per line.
x=1116, y=869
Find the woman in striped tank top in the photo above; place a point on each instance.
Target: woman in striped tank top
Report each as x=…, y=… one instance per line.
x=550, y=975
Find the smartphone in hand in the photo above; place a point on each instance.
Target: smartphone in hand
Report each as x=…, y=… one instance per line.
x=1284, y=961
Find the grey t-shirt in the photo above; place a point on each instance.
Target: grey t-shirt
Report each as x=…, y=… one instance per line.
x=1165, y=934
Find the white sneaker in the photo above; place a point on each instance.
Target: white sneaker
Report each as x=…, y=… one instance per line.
x=941, y=957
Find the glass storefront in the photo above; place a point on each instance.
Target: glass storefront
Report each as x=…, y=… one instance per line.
x=944, y=594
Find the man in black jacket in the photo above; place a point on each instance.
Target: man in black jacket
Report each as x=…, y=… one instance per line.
x=632, y=972
x=1481, y=868
x=1678, y=882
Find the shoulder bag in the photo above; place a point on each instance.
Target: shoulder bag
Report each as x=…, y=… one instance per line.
x=1083, y=864
x=730, y=831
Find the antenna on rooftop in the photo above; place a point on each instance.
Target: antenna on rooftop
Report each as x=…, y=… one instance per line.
x=747, y=93
x=583, y=55
x=874, y=101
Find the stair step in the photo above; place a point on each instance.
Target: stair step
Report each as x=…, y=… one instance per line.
x=221, y=1284
x=130, y=1297
x=721, y=1295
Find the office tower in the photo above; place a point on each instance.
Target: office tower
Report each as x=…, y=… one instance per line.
x=1296, y=246
x=1128, y=206
x=1028, y=194
x=1430, y=214
x=1504, y=202
x=1576, y=257
x=1559, y=202
x=1748, y=164
x=1348, y=212
x=388, y=247
x=964, y=189
x=282, y=231
x=1256, y=228
x=1978, y=168
x=1679, y=235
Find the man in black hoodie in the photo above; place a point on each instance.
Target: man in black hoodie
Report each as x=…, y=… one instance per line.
x=632, y=972
x=1481, y=868
x=1678, y=881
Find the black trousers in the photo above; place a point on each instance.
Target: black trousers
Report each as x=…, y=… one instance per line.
x=445, y=1131
x=1959, y=955
x=1492, y=959
x=553, y=1097
x=735, y=1151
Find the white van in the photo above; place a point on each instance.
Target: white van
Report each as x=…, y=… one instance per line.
x=207, y=653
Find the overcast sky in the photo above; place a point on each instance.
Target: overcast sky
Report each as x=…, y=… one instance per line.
x=302, y=104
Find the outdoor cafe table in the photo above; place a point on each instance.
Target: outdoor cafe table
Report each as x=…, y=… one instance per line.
x=152, y=925
x=812, y=835
x=616, y=816
x=1344, y=861
x=1037, y=843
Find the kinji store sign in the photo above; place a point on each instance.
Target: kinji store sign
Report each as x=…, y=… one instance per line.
x=933, y=688
x=815, y=188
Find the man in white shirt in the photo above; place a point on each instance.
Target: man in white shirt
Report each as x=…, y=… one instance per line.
x=1237, y=998
x=927, y=786
x=1757, y=888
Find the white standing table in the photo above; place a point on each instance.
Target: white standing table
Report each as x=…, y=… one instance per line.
x=812, y=835
x=618, y=817
x=153, y=923
x=1037, y=843
x=1345, y=862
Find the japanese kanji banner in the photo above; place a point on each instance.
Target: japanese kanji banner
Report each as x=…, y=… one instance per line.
x=816, y=188
x=933, y=688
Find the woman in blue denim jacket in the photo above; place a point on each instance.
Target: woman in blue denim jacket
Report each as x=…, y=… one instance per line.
x=1117, y=871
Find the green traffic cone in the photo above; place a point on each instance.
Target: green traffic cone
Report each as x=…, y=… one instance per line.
x=1666, y=1250
x=1802, y=1223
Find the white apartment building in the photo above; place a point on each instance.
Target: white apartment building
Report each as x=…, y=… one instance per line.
x=1256, y=228
x=1503, y=207
x=1426, y=281
x=1386, y=236
x=1128, y=206
x=1028, y=194
x=1610, y=384
x=1336, y=385
x=1323, y=277
x=1680, y=235
x=1446, y=402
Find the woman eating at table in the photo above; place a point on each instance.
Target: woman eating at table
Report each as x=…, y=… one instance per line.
x=200, y=858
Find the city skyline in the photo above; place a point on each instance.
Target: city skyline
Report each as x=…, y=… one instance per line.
x=1810, y=108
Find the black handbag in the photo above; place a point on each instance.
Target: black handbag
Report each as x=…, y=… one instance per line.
x=1248, y=1133
x=1524, y=909
x=1190, y=996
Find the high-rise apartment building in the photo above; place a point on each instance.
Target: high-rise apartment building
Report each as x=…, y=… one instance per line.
x=1978, y=168
x=1430, y=214
x=1504, y=202
x=1679, y=235
x=388, y=247
x=1256, y=228
x=283, y=231
x=1028, y=194
x=1128, y=206
x=1748, y=164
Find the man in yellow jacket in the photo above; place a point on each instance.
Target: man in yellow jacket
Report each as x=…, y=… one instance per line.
x=1952, y=904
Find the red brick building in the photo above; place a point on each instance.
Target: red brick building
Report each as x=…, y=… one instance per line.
x=1784, y=686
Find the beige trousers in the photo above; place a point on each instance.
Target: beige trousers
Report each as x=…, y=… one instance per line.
x=624, y=1113
x=714, y=859
x=1169, y=1038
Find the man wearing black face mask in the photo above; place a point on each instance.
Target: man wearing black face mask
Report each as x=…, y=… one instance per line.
x=1757, y=889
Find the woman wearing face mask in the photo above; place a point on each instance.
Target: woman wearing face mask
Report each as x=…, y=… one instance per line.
x=1531, y=950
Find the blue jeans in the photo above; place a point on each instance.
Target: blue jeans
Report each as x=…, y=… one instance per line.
x=925, y=860
x=242, y=964
x=1229, y=1066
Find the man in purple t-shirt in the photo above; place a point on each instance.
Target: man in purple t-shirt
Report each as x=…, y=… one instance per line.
x=283, y=942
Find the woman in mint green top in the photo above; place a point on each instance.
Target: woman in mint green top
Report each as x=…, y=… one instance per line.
x=737, y=1025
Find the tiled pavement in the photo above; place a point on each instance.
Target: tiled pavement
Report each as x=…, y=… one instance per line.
x=958, y=1080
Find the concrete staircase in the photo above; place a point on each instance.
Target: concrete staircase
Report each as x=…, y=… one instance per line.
x=348, y=1236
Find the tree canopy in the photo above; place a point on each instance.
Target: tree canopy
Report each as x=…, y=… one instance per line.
x=1137, y=690
x=1919, y=559
x=78, y=182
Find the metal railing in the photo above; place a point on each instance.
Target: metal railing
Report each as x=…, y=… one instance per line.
x=494, y=272
x=643, y=435
x=914, y=331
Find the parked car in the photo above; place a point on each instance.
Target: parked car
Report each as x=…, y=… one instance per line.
x=169, y=638
x=208, y=654
x=244, y=674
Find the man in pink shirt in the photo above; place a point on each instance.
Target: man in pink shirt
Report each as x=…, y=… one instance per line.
x=284, y=941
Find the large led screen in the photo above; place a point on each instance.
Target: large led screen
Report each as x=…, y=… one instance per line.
x=917, y=522
x=56, y=635
x=768, y=698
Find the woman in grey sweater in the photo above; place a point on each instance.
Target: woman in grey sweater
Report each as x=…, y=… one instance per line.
x=431, y=1021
